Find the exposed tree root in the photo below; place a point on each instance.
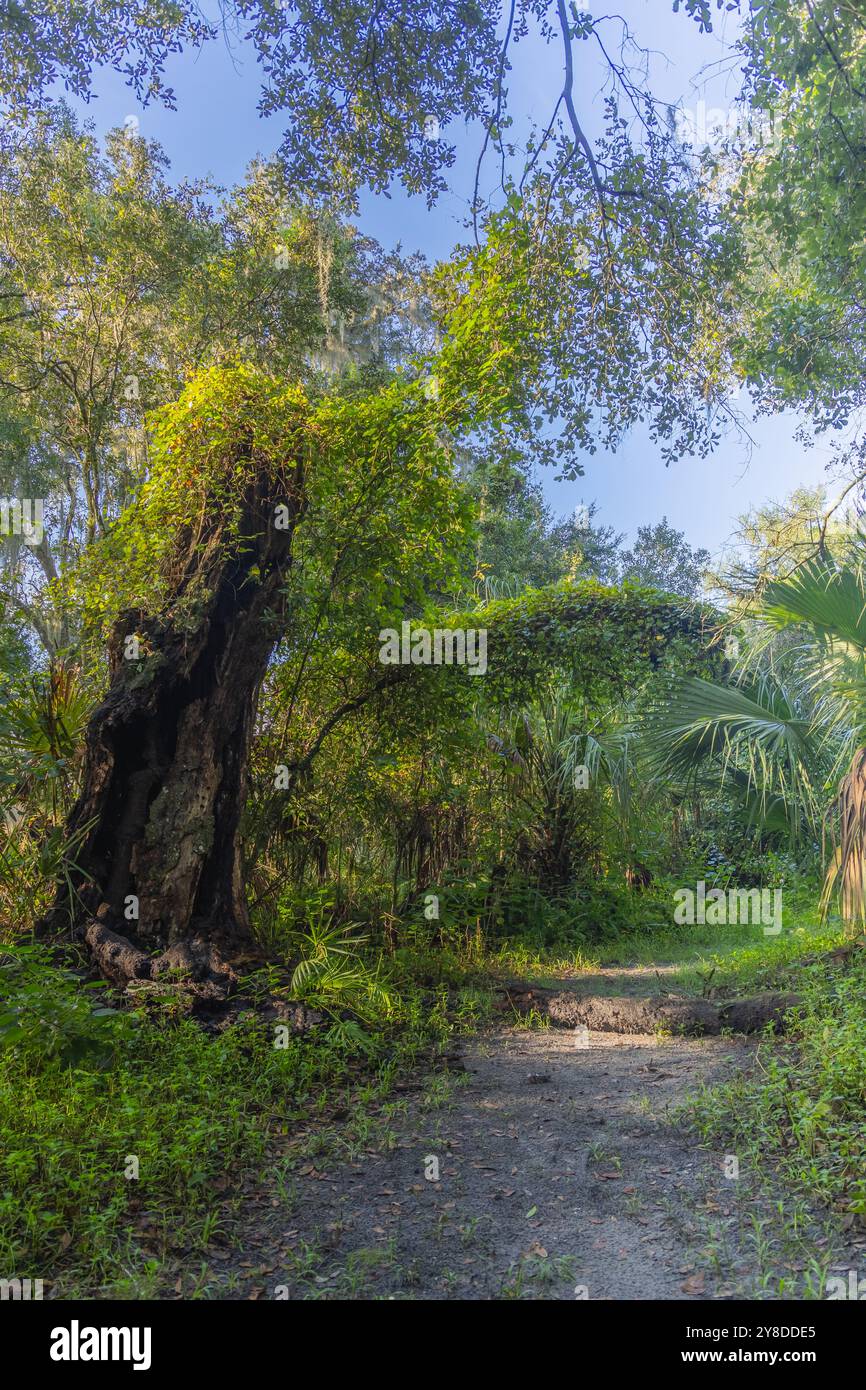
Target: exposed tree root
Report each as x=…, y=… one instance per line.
x=191, y=975
x=118, y=960
x=197, y=963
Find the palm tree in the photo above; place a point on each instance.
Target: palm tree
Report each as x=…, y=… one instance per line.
x=570, y=771
x=828, y=599
x=780, y=741
x=555, y=826
x=756, y=737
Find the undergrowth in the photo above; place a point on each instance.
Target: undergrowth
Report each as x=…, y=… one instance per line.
x=120, y=1133
x=797, y=1116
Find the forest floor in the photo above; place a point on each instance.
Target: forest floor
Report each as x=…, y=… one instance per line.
x=531, y=1164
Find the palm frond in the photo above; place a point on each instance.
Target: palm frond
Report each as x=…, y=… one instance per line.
x=829, y=597
x=756, y=738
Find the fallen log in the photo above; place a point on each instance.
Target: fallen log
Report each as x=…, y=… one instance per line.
x=630, y=1015
x=651, y=1014
x=752, y=1014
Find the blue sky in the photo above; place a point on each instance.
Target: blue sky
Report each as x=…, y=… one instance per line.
x=216, y=130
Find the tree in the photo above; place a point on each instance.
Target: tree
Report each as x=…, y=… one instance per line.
x=401, y=782
x=117, y=287
x=662, y=557
x=520, y=543
x=756, y=737
x=268, y=516
x=608, y=248
x=358, y=82
x=571, y=311
x=92, y=254
x=772, y=541
x=794, y=212
x=828, y=598
x=240, y=495
x=783, y=732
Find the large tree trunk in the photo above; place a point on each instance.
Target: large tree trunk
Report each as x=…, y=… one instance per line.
x=156, y=828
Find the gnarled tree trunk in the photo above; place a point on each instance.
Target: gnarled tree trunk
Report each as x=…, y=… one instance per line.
x=157, y=864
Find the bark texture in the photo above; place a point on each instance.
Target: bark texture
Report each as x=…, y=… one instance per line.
x=156, y=827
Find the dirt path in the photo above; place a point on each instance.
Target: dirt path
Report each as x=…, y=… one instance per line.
x=540, y=1165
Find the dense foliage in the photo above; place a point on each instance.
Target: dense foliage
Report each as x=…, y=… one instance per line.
x=407, y=830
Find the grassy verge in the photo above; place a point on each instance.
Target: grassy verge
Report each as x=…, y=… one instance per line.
x=741, y=961
x=798, y=1115
x=706, y=959
x=120, y=1135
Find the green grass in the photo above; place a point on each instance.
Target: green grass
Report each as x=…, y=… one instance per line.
x=736, y=956
x=83, y=1089
x=188, y=1108
x=741, y=961
x=798, y=1115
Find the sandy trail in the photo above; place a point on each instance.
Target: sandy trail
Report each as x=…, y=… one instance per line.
x=559, y=1176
